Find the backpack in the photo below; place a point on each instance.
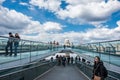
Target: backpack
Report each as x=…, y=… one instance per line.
x=105, y=72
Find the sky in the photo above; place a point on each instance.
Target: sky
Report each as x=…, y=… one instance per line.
x=80, y=21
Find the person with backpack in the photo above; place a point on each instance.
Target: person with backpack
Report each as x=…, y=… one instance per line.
x=99, y=70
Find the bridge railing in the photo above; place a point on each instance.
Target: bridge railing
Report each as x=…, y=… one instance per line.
x=108, y=51
x=106, y=47
x=88, y=71
x=27, y=72
x=26, y=49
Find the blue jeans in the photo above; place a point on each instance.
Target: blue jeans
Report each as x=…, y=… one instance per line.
x=15, y=47
x=9, y=44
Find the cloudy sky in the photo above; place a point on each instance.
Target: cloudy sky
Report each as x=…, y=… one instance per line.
x=80, y=21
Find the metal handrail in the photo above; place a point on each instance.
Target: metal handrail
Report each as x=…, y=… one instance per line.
x=24, y=46
x=24, y=40
x=102, y=41
x=91, y=68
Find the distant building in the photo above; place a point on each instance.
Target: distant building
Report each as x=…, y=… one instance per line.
x=67, y=43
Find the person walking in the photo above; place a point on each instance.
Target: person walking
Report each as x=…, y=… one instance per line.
x=99, y=71
x=16, y=43
x=64, y=61
x=9, y=44
x=71, y=60
x=68, y=59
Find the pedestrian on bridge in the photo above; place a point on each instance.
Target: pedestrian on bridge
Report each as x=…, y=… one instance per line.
x=68, y=59
x=71, y=60
x=64, y=61
x=9, y=44
x=16, y=43
x=99, y=71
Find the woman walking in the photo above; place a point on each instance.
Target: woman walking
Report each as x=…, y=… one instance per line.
x=99, y=71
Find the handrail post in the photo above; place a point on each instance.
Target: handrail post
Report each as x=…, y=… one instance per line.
x=30, y=50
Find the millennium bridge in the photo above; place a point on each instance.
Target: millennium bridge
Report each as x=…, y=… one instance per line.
x=37, y=60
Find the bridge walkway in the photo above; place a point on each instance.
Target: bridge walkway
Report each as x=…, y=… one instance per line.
x=63, y=73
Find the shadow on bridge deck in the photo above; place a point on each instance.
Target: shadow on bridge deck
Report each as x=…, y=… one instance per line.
x=63, y=73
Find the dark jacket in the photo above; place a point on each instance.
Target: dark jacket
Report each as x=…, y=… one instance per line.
x=16, y=39
x=10, y=39
x=98, y=70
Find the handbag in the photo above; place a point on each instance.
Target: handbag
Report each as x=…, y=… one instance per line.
x=97, y=77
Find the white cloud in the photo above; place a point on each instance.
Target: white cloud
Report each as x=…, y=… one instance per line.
x=75, y=2
x=12, y=19
x=24, y=4
x=30, y=7
x=33, y=27
x=52, y=5
x=1, y=1
x=90, y=35
x=81, y=11
x=117, y=29
x=102, y=33
x=92, y=12
x=52, y=26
